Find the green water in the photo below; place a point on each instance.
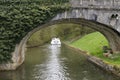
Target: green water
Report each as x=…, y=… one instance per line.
x=56, y=63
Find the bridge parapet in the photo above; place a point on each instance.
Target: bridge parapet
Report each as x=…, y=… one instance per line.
x=107, y=17
x=100, y=4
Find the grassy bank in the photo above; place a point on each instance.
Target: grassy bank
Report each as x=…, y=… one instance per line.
x=93, y=44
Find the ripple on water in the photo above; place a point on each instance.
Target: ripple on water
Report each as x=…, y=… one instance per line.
x=53, y=68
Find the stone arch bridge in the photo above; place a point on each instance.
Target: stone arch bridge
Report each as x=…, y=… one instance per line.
x=103, y=16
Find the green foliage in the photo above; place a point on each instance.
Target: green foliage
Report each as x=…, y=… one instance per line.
x=93, y=43
x=18, y=17
x=66, y=32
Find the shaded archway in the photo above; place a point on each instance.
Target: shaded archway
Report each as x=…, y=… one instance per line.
x=111, y=35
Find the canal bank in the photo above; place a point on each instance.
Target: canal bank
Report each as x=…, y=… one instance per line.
x=56, y=63
x=97, y=61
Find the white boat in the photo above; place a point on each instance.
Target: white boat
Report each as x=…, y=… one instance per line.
x=55, y=41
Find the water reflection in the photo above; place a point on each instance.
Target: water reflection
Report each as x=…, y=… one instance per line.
x=53, y=68
x=52, y=62
x=19, y=74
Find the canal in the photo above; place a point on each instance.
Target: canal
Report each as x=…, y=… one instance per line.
x=55, y=63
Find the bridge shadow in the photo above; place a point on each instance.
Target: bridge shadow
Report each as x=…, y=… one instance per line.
x=112, y=35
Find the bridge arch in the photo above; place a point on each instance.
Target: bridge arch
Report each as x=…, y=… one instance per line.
x=111, y=35
x=98, y=19
x=103, y=16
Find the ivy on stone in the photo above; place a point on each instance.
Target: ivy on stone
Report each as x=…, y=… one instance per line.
x=18, y=17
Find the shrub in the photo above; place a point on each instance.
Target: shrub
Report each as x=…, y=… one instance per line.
x=18, y=17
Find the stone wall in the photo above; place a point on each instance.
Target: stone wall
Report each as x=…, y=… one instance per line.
x=102, y=16
x=101, y=64
x=98, y=62
x=108, y=4
x=18, y=57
